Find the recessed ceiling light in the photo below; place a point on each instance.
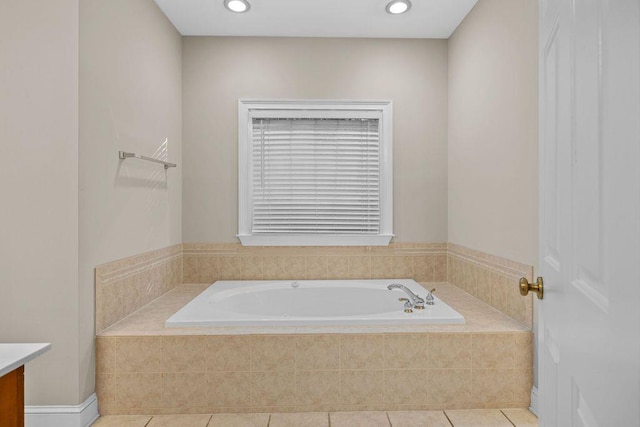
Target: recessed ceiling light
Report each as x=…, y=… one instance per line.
x=396, y=7
x=237, y=6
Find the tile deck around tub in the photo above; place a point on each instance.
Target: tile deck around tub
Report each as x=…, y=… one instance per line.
x=455, y=418
x=149, y=320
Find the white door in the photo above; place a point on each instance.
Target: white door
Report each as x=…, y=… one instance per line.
x=589, y=198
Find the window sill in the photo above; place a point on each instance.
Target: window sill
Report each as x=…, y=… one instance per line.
x=314, y=240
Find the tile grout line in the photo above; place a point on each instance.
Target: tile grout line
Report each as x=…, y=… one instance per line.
x=448, y=419
x=508, y=419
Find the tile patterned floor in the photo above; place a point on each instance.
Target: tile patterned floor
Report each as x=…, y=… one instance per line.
x=447, y=418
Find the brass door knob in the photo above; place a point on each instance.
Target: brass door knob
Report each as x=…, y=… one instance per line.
x=537, y=287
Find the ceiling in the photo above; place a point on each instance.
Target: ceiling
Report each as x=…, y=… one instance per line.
x=317, y=18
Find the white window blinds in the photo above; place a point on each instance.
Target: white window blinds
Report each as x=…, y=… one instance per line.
x=315, y=172
x=315, y=176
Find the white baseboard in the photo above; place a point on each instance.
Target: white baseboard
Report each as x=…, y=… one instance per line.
x=82, y=415
x=534, y=401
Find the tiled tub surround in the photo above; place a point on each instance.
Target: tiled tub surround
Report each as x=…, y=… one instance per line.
x=144, y=368
x=206, y=263
x=491, y=279
x=126, y=285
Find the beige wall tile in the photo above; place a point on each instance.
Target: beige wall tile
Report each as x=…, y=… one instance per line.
x=228, y=389
x=475, y=271
x=252, y=267
x=519, y=307
x=239, y=420
x=359, y=267
x=450, y=351
x=273, y=352
x=139, y=390
x=493, y=351
x=449, y=386
x=361, y=387
x=207, y=269
x=138, y=354
x=359, y=419
x=452, y=275
x=163, y=278
x=190, y=270
x=316, y=267
x=337, y=267
x=523, y=350
x=317, y=352
x=522, y=382
x=406, y=386
x=471, y=279
x=100, y=316
x=403, y=267
x=273, y=268
x=461, y=275
x=402, y=351
x=484, y=278
x=382, y=267
x=315, y=388
x=105, y=355
x=184, y=353
x=179, y=421
x=423, y=268
x=418, y=419
x=230, y=268
x=362, y=351
x=492, y=385
x=229, y=353
x=140, y=288
x=303, y=419
x=176, y=271
x=184, y=389
x=272, y=388
x=499, y=293
x=440, y=268
x=294, y=268
x=112, y=301
x=106, y=389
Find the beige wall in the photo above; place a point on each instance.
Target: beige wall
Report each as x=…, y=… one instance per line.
x=218, y=70
x=39, y=188
x=70, y=204
x=131, y=100
x=493, y=130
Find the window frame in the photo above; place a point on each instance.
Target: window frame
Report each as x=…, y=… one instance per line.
x=247, y=108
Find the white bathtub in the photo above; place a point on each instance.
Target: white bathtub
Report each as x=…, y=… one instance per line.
x=309, y=302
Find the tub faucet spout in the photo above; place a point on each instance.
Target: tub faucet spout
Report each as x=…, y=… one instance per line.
x=413, y=301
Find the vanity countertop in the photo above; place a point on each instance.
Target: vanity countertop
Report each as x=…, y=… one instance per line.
x=14, y=355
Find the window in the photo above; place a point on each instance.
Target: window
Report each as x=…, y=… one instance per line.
x=315, y=173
